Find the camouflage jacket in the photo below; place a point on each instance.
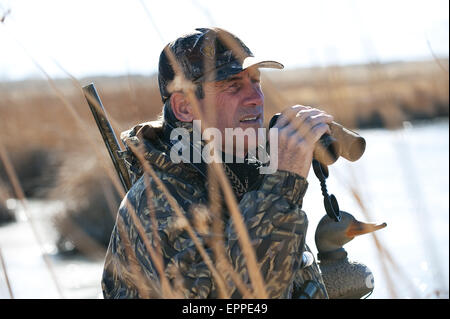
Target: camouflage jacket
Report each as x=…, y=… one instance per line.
x=270, y=206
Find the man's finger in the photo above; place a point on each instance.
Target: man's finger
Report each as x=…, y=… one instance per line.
x=306, y=122
x=316, y=132
x=304, y=118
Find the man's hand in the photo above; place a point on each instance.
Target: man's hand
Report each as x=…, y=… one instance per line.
x=299, y=128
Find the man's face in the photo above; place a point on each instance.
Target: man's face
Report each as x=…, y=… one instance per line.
x=237, y=102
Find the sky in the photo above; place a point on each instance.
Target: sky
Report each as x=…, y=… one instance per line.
x=116, y=37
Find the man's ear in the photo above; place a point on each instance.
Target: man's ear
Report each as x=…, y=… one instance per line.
x=181, y=107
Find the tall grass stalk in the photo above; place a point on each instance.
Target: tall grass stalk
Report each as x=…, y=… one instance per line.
x=183, y=222
x=335, y=92
x=20, y=195
x=385, y=257
x=5, y=274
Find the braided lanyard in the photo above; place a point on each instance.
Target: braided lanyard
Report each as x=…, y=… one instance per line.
x=329, y=201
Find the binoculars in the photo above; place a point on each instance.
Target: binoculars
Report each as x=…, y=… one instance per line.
x=341, y=142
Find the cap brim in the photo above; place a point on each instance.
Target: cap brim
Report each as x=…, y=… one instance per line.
x=261, y=63
x=236, y=67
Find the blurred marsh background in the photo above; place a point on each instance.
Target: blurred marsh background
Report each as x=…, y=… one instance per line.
x=380, y=68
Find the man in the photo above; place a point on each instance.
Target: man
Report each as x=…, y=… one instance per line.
x=211, y=75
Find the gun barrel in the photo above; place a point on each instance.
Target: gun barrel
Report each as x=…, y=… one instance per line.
x=107, y=132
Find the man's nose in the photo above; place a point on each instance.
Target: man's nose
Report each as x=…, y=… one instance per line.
x=255, y=95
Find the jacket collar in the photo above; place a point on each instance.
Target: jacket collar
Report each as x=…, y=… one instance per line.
x=154, y=139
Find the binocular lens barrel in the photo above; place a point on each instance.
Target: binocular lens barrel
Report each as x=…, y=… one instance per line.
x=352, y=144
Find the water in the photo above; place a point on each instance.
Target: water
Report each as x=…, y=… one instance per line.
x=27, y=270
x=402, y=179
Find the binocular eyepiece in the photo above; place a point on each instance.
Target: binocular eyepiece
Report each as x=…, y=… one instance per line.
x=341, y=142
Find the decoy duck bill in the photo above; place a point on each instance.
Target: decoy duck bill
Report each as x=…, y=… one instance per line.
x=357, y=228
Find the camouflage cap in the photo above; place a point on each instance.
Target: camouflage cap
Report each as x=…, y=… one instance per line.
x=207, y=54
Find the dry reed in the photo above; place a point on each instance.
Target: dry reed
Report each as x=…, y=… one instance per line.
x=352, y=94
x=5, y=275
x=54, y=136
x=4, y=158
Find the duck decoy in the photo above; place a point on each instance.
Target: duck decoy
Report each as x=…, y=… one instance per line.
x=343, y=278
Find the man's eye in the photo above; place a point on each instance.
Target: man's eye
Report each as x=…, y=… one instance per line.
x=234, y=87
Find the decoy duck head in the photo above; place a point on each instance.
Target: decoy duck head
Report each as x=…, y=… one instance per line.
x=331, y=236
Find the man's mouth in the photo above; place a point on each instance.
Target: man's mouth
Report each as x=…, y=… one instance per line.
x=249, y=119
